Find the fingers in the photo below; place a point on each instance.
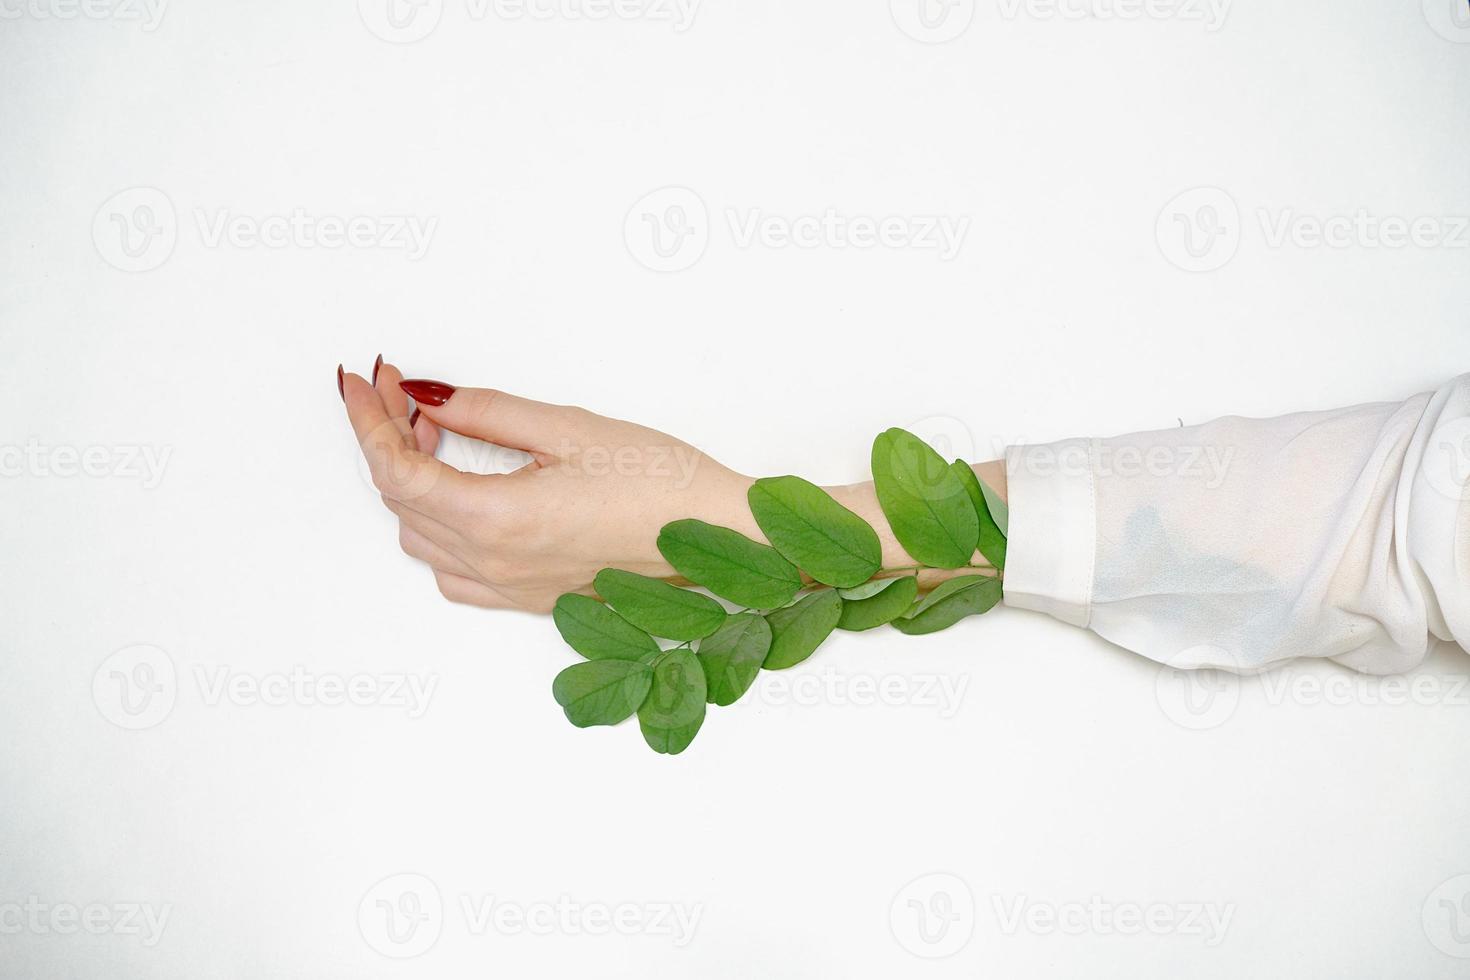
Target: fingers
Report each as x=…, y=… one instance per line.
x=441, y=534
x=426, y=433
x=385, y=382
x=501, y=418
x=400, y=471
x=416, y=545
x=457, y=588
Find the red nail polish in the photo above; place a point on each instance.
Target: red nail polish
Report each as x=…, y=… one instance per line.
x=340, y=390
x=428, y=392
x=413, y=419
x=376, y=365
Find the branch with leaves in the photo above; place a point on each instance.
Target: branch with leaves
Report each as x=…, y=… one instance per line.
x=821, y=572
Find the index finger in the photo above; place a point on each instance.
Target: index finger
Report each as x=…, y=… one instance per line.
x=400, y=471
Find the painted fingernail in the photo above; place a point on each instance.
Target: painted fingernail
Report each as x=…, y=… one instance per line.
x=376, y=365
x=340, y=390
x=413, y=419
x=427, y=392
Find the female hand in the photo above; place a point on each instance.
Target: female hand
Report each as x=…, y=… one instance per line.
x=595, y=494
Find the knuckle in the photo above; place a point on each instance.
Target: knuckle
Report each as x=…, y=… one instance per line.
x=488, y=401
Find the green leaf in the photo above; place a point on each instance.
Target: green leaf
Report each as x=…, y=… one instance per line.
x=884, y=607
x=602, y=692
x=799, y=629
x=867, y=589
x=674, y=710
x=729, y=564
x=732, y=656
x=992, y=539
x=598, y=633
x=814, y=532
x=925, y=503
x=658, y=607
x=950, y=602
x=998, y=509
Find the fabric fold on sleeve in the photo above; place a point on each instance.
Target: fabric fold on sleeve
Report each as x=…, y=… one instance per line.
x=1242, y=543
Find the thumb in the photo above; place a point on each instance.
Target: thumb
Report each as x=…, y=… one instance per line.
x=498, y=417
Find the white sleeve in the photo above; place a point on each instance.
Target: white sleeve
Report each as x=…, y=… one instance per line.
x=1245, y=542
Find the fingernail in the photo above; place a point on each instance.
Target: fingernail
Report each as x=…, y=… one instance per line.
x=413, y=419
x=376, y=365
x=427, y=392
x=340, y=390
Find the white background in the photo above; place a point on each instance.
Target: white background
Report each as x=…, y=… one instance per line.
x=1331, y=826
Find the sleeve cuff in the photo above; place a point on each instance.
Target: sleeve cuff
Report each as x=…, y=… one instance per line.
x=1051, y=547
